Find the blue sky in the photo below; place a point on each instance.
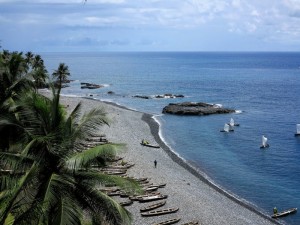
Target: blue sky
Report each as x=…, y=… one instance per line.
x=150, y=25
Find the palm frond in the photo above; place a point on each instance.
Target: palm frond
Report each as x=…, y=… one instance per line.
x=66, y=213
x=9, y=220
x=90, y=123
x=99, y=204
x=98, y=179
x=85, y=158
x=9, y=203
x=58, y=207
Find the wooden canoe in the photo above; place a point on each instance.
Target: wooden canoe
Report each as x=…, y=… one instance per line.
x=124, y=194
x=151, y=146
x=160, y=212
x=126, y=203
x=284, y=213
x=109, y=189
x=153, y=206
x=150, y=189
x=152, y=198
x=191, y=223
x=167, y=222
x=137, y=197
x=161, y=185
x=114, y=172
x=113, y=193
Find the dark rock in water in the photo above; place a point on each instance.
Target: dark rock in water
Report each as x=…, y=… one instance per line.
x=158, y=96
x=169, y=96
x=195, y=108
x=141, y=96
x=110, y=92
x=90, y=85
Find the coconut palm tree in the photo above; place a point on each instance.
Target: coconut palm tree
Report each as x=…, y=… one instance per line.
x=29, y=57
x=13, y=75
x=13, y=79
x=36, y=69
x=48, y=176
x=61, y=74
x=40, y=77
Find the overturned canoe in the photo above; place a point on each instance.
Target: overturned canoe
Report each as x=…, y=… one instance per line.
x=160, y=212
x=167, y=222
x=153, y=206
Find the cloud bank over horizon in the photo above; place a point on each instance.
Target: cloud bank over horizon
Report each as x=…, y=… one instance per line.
x=150, y=25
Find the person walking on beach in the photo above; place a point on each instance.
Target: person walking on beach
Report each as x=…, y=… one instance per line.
x=155, y=163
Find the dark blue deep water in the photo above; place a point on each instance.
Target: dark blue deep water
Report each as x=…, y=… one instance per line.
x=265, y=87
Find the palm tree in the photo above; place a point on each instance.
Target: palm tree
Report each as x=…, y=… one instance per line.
x=36, y=69
x=61, y=74
x=50, y=180
x=13, y=75
x=13, y=79
x=29, y=57
x=40, y=76
x=37, y=62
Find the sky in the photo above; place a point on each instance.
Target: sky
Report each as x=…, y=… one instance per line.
x=149, y=25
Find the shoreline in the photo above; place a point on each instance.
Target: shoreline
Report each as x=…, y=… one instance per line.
x=181, y=167
x=155, y=130
x=154, y=126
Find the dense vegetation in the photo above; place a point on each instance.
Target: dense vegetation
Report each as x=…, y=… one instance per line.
x=47, y=172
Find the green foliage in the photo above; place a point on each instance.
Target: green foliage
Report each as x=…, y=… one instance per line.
x=61, y=74
x=48, y=174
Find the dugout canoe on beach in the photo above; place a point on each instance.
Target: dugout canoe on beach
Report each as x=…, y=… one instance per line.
x=146, y=143
x=152, y=198
x=167, y=222
x=126, y=203
x=160, y=212
x=153, y=206
x=191, y=223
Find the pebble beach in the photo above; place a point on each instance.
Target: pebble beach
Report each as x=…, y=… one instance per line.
x=196, y=198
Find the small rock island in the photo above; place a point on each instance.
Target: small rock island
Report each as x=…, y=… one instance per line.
x=195, y=108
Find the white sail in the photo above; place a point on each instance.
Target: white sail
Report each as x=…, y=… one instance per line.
x=231, y=122
x=226, y=127
x=264, y=141
x=298, y=128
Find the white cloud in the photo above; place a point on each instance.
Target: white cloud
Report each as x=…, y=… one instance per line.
x=63, y=1
x=267, y=20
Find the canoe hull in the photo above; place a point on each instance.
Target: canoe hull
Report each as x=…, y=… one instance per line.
x=154, y=206
x=167, y=222
x=160, y=212
x=284, y=213
x=151, y=146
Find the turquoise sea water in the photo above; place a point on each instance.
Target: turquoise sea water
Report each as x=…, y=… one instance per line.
x=265, y=87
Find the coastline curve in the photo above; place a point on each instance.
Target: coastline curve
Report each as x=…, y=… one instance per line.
x=155, y=131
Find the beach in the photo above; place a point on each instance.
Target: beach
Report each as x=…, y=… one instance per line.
x=195, y=197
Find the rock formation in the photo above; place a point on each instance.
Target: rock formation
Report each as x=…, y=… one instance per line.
x=195, y=108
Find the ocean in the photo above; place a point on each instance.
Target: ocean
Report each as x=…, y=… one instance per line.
x=263, y=88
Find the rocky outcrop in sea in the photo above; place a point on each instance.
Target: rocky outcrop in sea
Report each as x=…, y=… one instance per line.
x=195, y=108
x=159, y=96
